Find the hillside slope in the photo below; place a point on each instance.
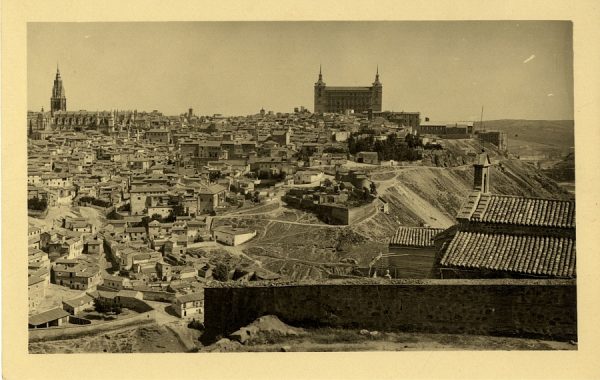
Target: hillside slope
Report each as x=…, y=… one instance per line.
x=564, y=170
x=553, y=138
x=416, y=195
x=432, y=196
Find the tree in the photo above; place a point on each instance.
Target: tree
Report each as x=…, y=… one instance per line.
x=125, y=207
x=144, y=222
x=113, y=215
x=178, y=210
x=373, y=188
x=99, y=306
x=221, y=272
x=211, y=128
x=365, y=193
x=352, y=143
x=214, y=175
x=38, y=204
x=334, y=149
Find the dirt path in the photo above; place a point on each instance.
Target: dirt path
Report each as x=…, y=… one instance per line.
x=237, y=251
x=138, y=339
x=291, y=222
x=162, y=316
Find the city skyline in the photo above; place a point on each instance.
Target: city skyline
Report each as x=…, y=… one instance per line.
x=514, y=69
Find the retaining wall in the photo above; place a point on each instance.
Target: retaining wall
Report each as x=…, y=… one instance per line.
x=536, y=308
x=159, y=296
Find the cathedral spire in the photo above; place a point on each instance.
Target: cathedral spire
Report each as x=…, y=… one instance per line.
x=58, y=101
x=377, y=77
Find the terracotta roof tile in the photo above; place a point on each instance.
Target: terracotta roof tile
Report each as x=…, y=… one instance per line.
x=526, y=254
x=505, y=209
x=415, y=236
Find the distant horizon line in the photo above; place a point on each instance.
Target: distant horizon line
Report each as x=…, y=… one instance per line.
x=291, y=112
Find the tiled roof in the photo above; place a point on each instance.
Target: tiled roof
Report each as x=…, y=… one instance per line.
x=32, y=280
x=415, y=236
x=212, y=189
x=47, y=316
x=505, y=209
x=78, y=301
x=527, y=254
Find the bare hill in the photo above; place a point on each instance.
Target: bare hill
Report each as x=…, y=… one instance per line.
x=564, y=170
x=432, y=196
x=551, y=137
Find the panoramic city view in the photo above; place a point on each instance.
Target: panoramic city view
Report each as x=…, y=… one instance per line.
x=300, y=186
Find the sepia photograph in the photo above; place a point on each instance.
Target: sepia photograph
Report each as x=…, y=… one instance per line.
x=300, y=186
x=299, y=190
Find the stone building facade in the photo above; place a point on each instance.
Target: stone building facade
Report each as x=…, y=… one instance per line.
x=340, y=99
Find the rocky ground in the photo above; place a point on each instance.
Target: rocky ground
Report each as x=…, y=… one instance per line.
x=56, y=213
x=269, y=334
x=144, y=339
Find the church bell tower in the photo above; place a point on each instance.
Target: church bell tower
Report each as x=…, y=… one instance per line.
x=58, y=101
x=320, y=99
x=377, y=93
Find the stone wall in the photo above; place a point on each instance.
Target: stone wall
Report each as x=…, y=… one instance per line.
x=334, y=214
x=534, y=308
x=159, y=296
x=410, y=262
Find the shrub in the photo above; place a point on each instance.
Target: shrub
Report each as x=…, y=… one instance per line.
x=197, y=325
x=36, y=203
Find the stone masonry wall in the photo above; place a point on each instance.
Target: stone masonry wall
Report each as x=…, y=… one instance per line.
x=537, y=308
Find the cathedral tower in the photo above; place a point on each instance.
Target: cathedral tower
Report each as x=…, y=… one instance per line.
x=58, y=101
x=320, y=98
x=377, y=93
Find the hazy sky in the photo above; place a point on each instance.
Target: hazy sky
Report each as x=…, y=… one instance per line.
x=445, y=70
